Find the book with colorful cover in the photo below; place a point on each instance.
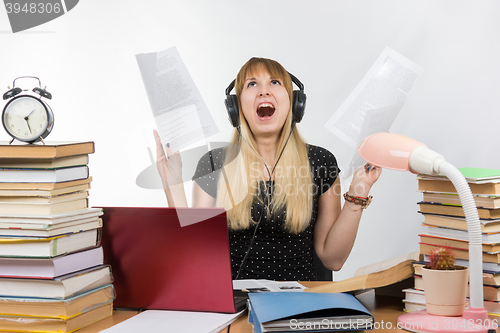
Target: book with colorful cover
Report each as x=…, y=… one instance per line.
x=472, y=175
x=489, y=238
x=415, y=300
x=49, y=268
x=48, y=247
x=446, y=186
x=455, y=243
x=44, y=175
x=48, y=150
x=43, y=189
x=380, y=274
x=57, y=308
x=285, y=312
x=458, y=222
x=71, y=227
x=49, y=163
x=60, y=287
x=59, y=325
x=456, y=210
x=47, y=221
x=483, y=201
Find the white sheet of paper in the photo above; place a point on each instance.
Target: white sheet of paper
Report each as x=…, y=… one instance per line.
x=179, y=127
x=387, y=83
x=180, y=113
x=267, y=285
x=175, y=321
x=376, y=121
x=245, y=284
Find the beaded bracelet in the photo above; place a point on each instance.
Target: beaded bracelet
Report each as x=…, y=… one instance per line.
x=362, y=201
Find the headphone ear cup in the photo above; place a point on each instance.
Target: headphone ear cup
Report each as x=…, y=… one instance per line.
x=299, y=105
x=232, y=110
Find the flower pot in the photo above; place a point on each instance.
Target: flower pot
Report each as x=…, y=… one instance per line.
x=445, y=291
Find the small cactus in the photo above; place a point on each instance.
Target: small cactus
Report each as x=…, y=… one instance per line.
x=442, y=258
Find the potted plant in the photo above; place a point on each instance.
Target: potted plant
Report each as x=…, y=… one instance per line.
x=445, y=284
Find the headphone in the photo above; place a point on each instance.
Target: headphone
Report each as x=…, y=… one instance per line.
x=298, y=103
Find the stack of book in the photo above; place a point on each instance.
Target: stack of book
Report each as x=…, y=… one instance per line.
x=445, y=225
x=52, y=276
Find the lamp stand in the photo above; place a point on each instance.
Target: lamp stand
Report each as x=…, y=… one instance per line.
x=476, y=318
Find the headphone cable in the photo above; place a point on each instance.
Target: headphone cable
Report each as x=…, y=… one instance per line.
x=266, y=200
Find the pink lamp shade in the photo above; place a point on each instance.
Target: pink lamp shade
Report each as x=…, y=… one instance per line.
x=388, y=150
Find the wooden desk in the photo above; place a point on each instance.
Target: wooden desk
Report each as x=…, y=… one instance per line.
x=117, y=317
x=385, y=309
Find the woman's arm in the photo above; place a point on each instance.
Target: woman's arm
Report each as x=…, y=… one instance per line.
x=336, y=227
x=201, y=198
x=170, y=170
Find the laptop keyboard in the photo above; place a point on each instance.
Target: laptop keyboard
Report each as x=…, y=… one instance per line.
x=240, y=303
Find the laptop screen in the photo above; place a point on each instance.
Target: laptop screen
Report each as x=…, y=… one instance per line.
x=157, y=264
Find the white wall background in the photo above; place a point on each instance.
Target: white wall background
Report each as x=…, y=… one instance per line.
x=87, y=60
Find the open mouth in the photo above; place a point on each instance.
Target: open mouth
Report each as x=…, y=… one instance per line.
x=265, y=110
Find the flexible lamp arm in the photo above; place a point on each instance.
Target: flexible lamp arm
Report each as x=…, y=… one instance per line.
x=474, y=230
x=423, y=160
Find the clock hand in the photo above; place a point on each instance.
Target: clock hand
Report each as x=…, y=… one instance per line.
x=28, y=123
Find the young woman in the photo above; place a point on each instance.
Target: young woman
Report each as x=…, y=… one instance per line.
x=282, y=195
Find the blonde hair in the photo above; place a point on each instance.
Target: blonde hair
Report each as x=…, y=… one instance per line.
x=292, y=173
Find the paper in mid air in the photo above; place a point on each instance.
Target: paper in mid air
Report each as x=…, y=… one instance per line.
x=181, y=116
x=375, y=102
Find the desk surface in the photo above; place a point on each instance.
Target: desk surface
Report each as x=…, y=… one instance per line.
x=385, y=309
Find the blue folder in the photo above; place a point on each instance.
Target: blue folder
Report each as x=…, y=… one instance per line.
x=297, y=307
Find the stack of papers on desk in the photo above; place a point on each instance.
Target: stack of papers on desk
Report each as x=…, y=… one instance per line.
x=259, y=286
x=307, y=312
x=175, y=321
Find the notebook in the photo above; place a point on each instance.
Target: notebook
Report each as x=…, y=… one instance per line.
x=157, y=264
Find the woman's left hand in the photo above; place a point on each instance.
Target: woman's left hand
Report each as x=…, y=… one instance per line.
x=363, y=180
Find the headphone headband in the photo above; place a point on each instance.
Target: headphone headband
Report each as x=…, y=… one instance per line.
x=230, y=87
x=296, y=81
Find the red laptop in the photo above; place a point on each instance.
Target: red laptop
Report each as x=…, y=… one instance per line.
x=157, y=264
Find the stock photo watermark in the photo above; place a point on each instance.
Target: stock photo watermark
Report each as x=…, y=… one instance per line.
x=368, y=324
x=26, y=14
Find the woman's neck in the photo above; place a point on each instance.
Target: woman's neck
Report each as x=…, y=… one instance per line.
x=267, y=148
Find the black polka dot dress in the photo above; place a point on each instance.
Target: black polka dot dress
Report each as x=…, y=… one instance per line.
x=275, y=253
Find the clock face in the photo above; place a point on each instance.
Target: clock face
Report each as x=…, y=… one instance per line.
x=26, y=118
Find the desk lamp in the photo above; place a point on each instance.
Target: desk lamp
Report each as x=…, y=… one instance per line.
x=397, y=152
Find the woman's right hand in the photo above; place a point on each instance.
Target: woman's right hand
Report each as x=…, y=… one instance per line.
x=169, y=166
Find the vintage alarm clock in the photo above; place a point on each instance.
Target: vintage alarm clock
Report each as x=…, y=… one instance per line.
x=27, y=117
